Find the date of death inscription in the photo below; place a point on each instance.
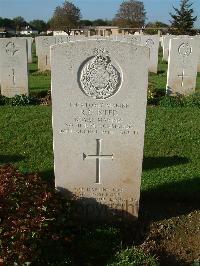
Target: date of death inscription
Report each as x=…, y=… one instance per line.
x=99, y=118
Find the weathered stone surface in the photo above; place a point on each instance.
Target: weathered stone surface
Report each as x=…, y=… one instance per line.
x=13, y=67
x=198, y=44
x=134, y=39
x=43, y=51
x=29, y=43
x=152, y=42
x=182, y=66
x=99, y=96
x=29, y=47
x=165, y=44
x=43, y=48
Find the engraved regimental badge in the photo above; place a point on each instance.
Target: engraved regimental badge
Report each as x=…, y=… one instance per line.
x=185, y=49
x=98, y=77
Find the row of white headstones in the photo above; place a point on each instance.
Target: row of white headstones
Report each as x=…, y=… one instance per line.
x=99, y=97
x=181, y=52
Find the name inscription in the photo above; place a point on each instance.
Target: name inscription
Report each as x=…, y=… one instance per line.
x=99, y=118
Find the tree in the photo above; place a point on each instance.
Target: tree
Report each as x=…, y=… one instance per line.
x=130, y=14
x=6, y=22
x=183, y=19
x=101, y=22
x=85, y=23
x=157, y=24
x=39, y=25
x=19, y=22
x=66, y=17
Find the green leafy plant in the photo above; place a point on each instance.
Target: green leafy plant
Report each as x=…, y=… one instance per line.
x=181, y=101
x=154, y=95
x=133, y=257
x=3, y=100
x=23, y=100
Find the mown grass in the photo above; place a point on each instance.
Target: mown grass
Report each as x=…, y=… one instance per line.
x=38, y=81
x=172, y=146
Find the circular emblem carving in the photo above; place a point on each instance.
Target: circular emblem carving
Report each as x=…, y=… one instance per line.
x=149, y=43
x=185, y=49
x=11, y=48
x=99, y=79
x=45, y=41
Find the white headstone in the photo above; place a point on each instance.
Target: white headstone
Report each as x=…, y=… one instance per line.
x=29, y=47
x=198, y=43
x=166, y=41
x=29, y=43
x=134, y=39
x=182, y=66
x=13, y=67
x=99, y=97
x=44, y=43
x=43, y=51
x=165, y=46
x=152, y=42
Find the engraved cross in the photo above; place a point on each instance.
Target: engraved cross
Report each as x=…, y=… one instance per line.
x=182, y=76
x=98, y=156
x=13, y=76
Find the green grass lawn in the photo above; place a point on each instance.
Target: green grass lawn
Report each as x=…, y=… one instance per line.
x=171, y=157
x=38, y=81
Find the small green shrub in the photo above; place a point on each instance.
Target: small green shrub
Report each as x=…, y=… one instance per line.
x=133, y=257
x=39, y=94
x=23, y=100
x=3, y=100
x=181, y=101
x=42, y=73
x=154, y=95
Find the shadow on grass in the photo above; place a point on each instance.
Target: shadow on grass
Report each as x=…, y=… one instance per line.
x=150, y=163
x=161, y=72
x=171, y=199
x=31, y=71
x=95, y=243
x=98, y=242
x=7, y=159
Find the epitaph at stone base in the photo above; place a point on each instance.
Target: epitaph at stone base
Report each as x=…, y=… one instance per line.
x=99, y=97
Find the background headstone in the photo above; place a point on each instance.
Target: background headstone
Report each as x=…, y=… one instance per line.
x=134, y=39
x=43, y=51
x=166, y=41
x=152, y=42
x=165, y=46
x=198, y=44
x=43, y=48
x=99, y=97
x=182, y=66
x=29, y=47
x=13, y=67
